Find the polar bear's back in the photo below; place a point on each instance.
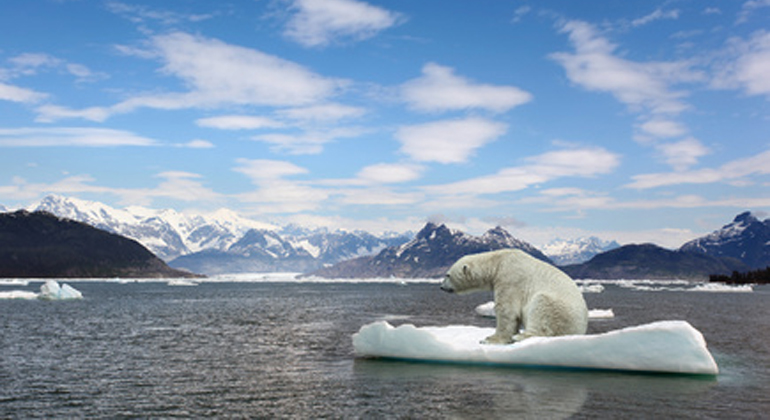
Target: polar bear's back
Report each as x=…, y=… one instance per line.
x=539, y=274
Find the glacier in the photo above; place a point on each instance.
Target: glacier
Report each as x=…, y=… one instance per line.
x=662, y=347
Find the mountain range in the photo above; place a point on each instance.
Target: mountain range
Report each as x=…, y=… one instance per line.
x=738, y=246
x=430, y=254
x=222, y=241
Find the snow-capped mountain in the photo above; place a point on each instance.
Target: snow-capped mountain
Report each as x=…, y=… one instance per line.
x=746, y=238
x=222, y=241
x=167, y=233
x=576, y=251
x=430, y=254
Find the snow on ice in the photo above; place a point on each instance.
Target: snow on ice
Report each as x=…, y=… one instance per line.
x=665, y=346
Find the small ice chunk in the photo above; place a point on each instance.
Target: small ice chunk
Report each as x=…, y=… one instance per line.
x=18, y=294
x=51, y=290
x=600, y=313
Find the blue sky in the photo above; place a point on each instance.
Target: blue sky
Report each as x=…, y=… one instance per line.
x=638, y=121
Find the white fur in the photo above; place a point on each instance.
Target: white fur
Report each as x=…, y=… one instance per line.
x=532, y=298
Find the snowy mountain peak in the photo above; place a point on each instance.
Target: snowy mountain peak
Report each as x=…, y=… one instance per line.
x=746, y=238
x=745, y=218
x=576, y=251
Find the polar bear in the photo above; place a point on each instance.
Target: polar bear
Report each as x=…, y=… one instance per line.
x=532, y=297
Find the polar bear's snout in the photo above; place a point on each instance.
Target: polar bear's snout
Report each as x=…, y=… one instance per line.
x=447, y=286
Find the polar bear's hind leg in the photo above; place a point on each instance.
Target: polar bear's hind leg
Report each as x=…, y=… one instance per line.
x=547, y=317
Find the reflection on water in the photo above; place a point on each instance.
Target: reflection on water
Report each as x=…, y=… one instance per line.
x=521, y=392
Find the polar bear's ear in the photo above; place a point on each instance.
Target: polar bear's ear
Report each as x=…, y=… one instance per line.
x=465, y=269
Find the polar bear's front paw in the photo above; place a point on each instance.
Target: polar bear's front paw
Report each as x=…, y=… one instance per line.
x=496, y=339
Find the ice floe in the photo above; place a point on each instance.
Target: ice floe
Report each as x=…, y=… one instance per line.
x=665, y=346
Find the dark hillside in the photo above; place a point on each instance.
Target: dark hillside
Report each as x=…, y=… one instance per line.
x=40, y=244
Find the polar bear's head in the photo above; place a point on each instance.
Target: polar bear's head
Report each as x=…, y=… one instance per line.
x=464, y=276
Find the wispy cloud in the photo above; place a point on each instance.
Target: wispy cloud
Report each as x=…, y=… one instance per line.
x=642, y=86
x=238, y=122
x=736, y=171
x=275, y=193
x=647, y=88
x=580, y=162
x=318, y=23
x=19, y=94
x=658, y=14
x=174, y=185
x=439, y=89
x=747, y=65
x=448, y=141
x=749, y=8
x=308, y=142
x=141, y=14
x=71, y=137
x=217, y=74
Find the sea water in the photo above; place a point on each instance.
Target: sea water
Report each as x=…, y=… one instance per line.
x=283, y=350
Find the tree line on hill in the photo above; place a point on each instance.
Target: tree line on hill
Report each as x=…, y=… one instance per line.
x=748, y=277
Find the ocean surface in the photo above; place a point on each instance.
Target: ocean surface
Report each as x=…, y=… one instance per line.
x=283, y=350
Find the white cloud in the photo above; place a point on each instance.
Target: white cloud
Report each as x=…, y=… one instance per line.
x=318, y=23
x=220, y=73
x=733, y=171
x=52, y=113
x=656, y=15
x=306, y=143
x=585, y=162
x=389, y=173
x=274, y=194
x=329, y=112
x=28, y=64
x=143, y=14
x=18, y=94
x=216, y=74
x=197, y=144
x=379, y=197
x=448, y=141
x=642, y=86
x=174, y=185
x=238, y=122
x=748, y=66
x=261, y=170
x=439, y=89
x=70, y=136
x=663, y=128
x=748, y=8
x=683, y=154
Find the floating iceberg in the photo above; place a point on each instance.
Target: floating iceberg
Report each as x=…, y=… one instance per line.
x=488, y=310
x=52, y=291
x=666, y=346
